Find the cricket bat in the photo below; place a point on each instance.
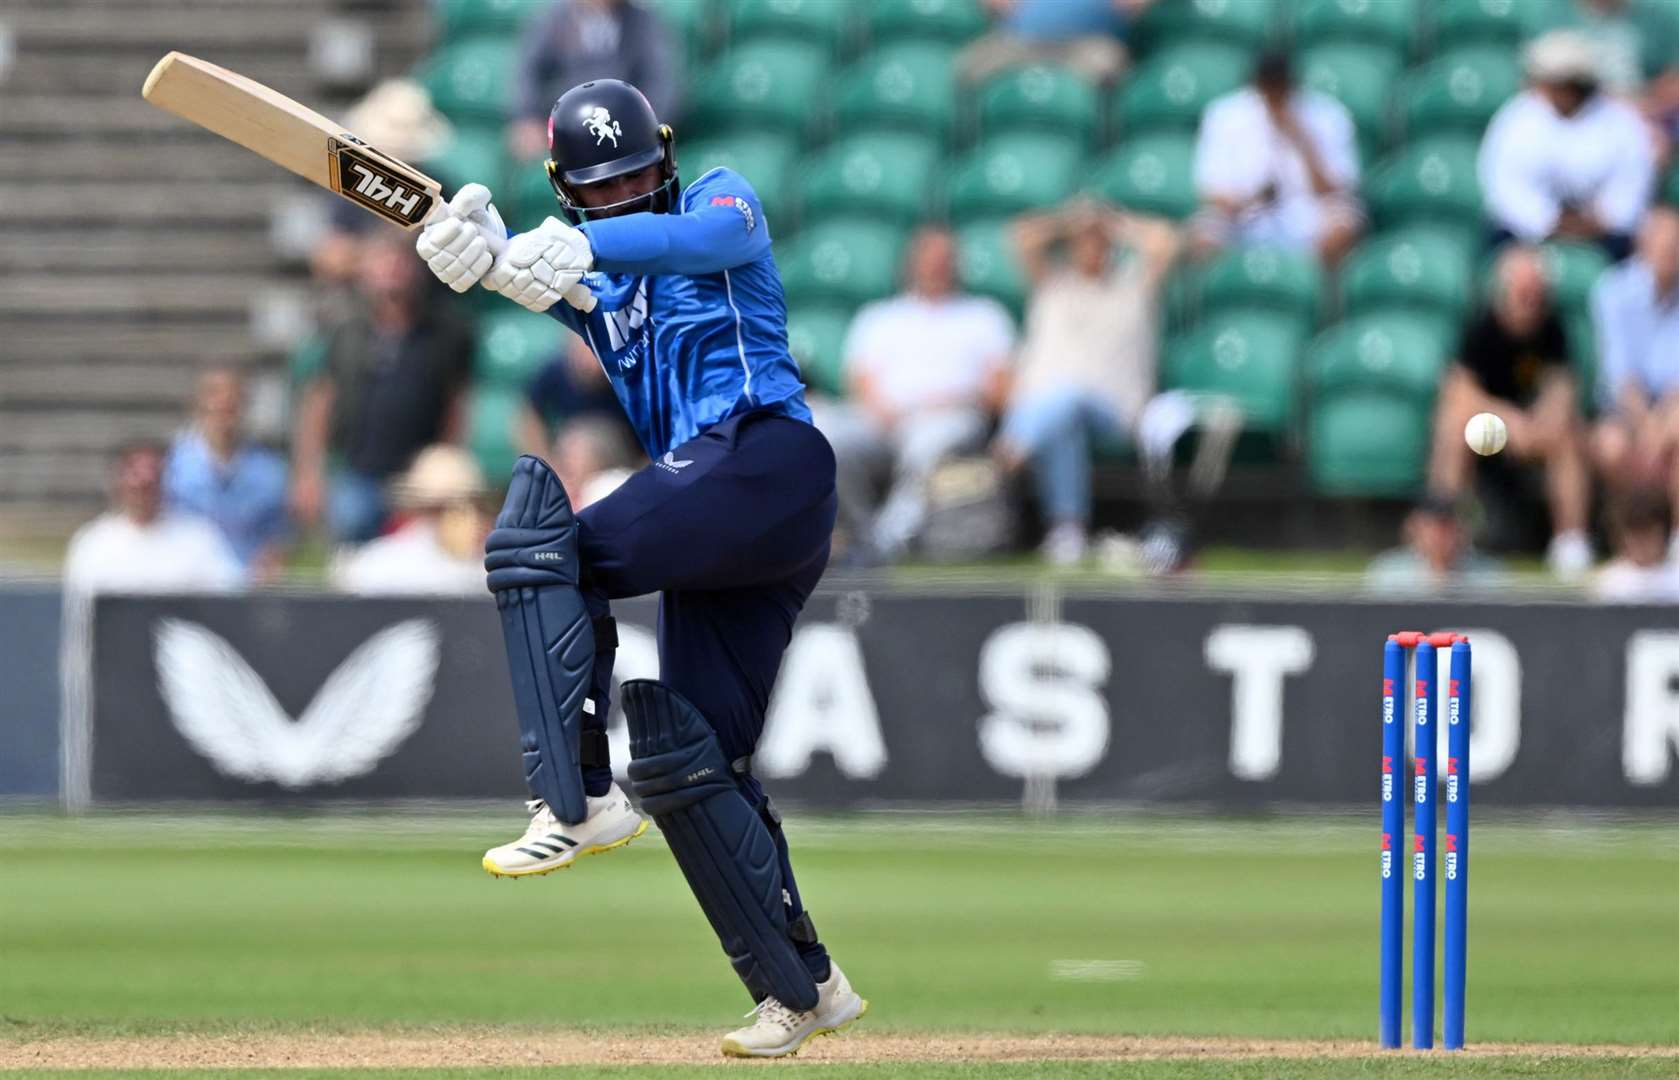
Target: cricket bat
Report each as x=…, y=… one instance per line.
x=268, y=123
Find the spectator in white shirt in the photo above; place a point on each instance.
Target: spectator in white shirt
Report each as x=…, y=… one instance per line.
x=138, y=547
x=1564, y=160
x=1635, y=312
x=1277, y=165
x=927, y=371
x=439, y=550
x=1087, y=362
x=1641, y=571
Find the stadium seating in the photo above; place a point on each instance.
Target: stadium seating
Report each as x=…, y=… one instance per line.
x=816, y=338
x=1361, y=77
x=907, y=87
x=1370, y=385
x=1013, y=173
x=1429, y=181
x=695, y=25
x=458, y=20
x=841, y=262
x=1420, y=268
x=492, y=421
x=765, y=159
x=758, y=87
x=513, y=345
x=1264, y=279
x=951, y=22
x=1391, y=24
x=1572, y=270
x=886, y=176
x=1459, y=92
x=1498, y=23
x=817, y=22
x=1153, y=174
x=1039, y=97
x=472, y=80
x=1248, y=24
x=476, y=153
x=989, y=265
x=1169, y=90
x=1247, y=356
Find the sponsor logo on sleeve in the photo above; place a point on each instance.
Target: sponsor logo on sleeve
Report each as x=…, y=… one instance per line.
x=739, y=204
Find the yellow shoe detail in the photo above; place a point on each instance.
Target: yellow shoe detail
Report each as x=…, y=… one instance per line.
x=594, y=849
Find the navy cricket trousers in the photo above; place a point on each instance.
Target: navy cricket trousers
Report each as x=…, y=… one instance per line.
x=732, y=530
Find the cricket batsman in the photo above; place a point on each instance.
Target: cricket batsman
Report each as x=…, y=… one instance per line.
x=675, y=292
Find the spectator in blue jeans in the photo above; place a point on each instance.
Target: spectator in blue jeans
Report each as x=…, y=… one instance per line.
x=392, y=383
x=1088, y=361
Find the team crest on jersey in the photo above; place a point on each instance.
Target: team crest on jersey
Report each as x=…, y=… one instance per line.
x=626, y=328
x=740, y=204
x=602, y=126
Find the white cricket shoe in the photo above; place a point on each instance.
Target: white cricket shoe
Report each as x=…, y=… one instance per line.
x=550, y=844
x=777, y=1031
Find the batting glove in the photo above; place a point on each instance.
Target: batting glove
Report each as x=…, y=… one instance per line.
x=460, y=243
x=541, y=267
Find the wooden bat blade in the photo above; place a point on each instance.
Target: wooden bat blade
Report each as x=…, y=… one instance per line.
x=291, y=135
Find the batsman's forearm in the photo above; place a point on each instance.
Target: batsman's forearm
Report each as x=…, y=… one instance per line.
x=702, y=241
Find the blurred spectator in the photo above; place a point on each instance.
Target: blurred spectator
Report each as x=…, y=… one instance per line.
x=139, y=547
x=1277, y=164
x=390, y=385
x=569, y=387
x=1562, y=159
x=1087, y=36
x=213, y=473
x=578, y=40
x=1436, y=555
x=592, y=456
x=1640, y=572
x=439, y=550
x=927, y=371
x=1512, y=360
x=1087, y=363
x=397, y=117
x=1635, y=311
x=1636, y=41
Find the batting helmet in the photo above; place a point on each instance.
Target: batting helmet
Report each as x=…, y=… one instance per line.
x=604, y=129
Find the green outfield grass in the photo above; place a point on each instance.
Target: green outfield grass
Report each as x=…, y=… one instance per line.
x=1139, y=925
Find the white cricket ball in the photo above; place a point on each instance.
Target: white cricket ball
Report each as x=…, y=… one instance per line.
x=1486, y=434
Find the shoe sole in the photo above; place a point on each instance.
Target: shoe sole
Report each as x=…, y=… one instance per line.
x=537, y=871
x=734, y=1049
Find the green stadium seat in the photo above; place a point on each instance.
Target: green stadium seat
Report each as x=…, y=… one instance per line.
x=949, y=21
x=765, y=159
x=1264, y=279
x=758, y=87
x=1361, y=78
x=989, y=264
x=1391, y=24
x=841, y=262
x=1170, y=89
x=1039, y=97
x=1245, y=23
x=694, y=23
x=1459, y=91
x=1250, y=357
x=529, y=199
x=492, y=424
x=886, y=176
x=816, y=337
x=472, y=80
x=1153, y=174
x=818, y=22
x=1370, y=386
x=1582, y=355
x=475, y=154
x=1476, y=22
x=1573, y=269
x=1670, y=187
x=1419, y=268
x=1429, y=181
x=1013, y=173
x=900, y=87
x=457, y=20
x=1367, y=444
x=513, y=346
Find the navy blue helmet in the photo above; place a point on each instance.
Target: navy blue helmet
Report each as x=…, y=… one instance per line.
x=601, y=130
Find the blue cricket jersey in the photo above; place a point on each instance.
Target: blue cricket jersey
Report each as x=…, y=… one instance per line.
x=691, y=323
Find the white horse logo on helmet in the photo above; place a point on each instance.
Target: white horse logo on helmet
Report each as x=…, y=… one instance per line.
x=602, y=126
